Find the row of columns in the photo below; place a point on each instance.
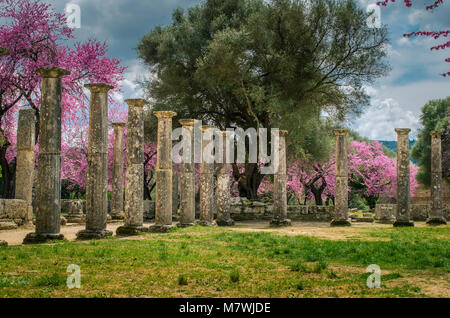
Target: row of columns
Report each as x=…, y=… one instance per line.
x=403, y=218
x=49, y=171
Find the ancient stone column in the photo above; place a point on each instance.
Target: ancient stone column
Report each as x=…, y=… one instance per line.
x=279, y=186
x=25, y=159
x=175, y=192
x=223, y=186
x=117, y=173
x=134, y=187
x=97, y=172
x=163, y=206
x=48, y=197
x=436, y=215
x=403, y=200
x=341, y=180
x=206, y=187
x=187, y=193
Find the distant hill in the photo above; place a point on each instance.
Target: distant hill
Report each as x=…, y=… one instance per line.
x=392, y=145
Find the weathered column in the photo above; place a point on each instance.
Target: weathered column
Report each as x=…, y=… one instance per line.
x=341, y=180
x=187, y=193
x=279, y=185
x=163, y=206
x=134, y=187
x=175, y=192
x=223, y=186
x=403, y=201
x=436, y=215
x=97, y=172
x=48, y=198
x=25, y=159
x=206, y=187
x=117, y=173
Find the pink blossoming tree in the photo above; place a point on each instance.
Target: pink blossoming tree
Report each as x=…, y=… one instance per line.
x=37, y=36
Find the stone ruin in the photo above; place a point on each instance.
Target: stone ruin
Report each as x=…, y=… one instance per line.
x=213, y=209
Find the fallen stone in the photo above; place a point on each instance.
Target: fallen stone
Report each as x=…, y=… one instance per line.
x=8, y=226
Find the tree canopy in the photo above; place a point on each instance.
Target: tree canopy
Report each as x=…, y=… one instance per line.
x=435, y=116
x=255, y=63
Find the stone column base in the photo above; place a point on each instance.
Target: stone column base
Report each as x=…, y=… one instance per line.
x=184, y=225
x=117, y=215
x=436, y=221
x=3, y=243
x=399, y=223
x=206, y=223
x=76, y=218
x=35, y=238
x=385, y=221
x=227, y=222
x=160, y=228
x=335, y=222
x=280, y=222
x=128, y=230
x=93, y=235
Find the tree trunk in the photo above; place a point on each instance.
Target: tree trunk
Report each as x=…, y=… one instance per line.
x=8, y=174
x=317, y=195
x=249, y=181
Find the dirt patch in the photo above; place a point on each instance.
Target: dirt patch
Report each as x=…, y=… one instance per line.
x=316, y=229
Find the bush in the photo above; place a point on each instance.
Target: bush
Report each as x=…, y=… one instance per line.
x=358, y=203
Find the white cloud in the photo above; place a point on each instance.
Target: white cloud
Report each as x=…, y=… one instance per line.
x=382, y=117
x=397, y=107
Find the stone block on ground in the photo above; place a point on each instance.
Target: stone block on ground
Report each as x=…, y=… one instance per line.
x=16, y=209
x=8, y=226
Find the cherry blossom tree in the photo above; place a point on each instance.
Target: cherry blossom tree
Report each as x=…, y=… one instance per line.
x=371, y=174
x=433, y=34
x=37, y=36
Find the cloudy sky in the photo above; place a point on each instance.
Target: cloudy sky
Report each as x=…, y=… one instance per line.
x=396, y=100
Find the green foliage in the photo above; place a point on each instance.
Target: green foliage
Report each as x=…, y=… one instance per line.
x=254, y=63
x=358, y=203
x=434, y=117
x=410, y=255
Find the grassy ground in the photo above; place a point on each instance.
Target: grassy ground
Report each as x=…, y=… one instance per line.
x=217, y=262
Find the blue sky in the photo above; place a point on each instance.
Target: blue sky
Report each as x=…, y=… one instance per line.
x=396, y=99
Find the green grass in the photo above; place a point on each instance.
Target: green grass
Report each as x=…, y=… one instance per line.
x=217, y=262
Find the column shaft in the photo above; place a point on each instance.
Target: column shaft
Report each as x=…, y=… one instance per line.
x=279, y=185
x=48, y=205
x=436, y=215
x=403, y=200
x=25, y=159
x=206, y=186
x=223, y=185
x=134, y=188
x=97, y=172
x=341, y=180
x=117, y=173
x=163, y=206
x=187, y=180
